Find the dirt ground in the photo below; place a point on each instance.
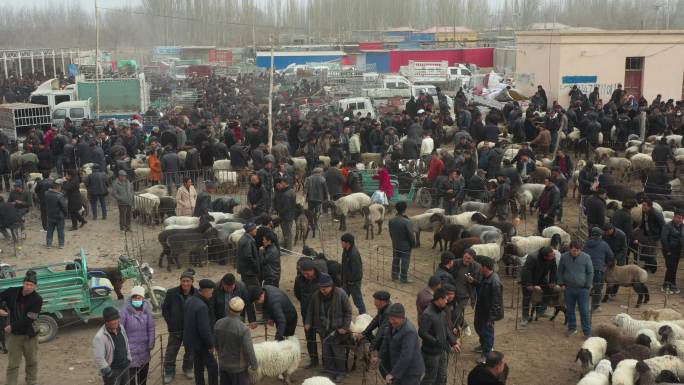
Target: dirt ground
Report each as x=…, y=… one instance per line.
x=68, y=359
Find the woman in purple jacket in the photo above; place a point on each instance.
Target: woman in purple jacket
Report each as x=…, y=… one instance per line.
x=136, y=319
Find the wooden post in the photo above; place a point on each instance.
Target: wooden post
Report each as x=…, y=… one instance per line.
x=270, y=101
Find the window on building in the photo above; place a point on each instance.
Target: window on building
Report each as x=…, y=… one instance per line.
x=634, y=63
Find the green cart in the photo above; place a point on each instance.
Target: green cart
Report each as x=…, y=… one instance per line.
x=71, y=293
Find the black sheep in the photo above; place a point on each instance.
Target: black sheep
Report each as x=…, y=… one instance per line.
x=193, y=244
x=448, y=233
x=224, y=205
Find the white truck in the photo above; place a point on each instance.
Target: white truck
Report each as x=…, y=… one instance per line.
x=76, y=111
x=50, y=94
x=357, y=105
x=435, y=73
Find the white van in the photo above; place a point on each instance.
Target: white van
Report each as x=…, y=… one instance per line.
x=459, y=73
x=49, y=94
x=362, y=105
x=76, y=111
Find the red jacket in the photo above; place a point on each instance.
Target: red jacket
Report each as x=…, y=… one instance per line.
x=436, y=169
x=385, y=182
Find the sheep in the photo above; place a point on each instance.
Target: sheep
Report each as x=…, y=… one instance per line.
x=372, y=214
x=650, y=335
x=539, y=174
x=661, y=363
x=640, y=350
x=525, y=245
x=175, y=242
x=448, y=233
x=224, y=204
x=670, y=332
x=276, y=358
x=524, y=200
x=142, y=173
x=642, y=162
x=478, y=230
x=367, y=157
x=182, y=155
x=626, y=276
x=182, y=221
x=318, y=380
x=550, y=231
x=146, y=206
x=602, y=152
x=598, y=376
x=348, y=204
x=458, y=247
x=492, y=236
x=619, y=165
x=325, y=160
x=299, y=165
x=666, y=314
x=305, y=222
x=219, y=216
x=491, y=250
x=482, y=207
x=508, y=229
x=234, y=237
x=632, y=326
x=361, y=350
x=159, y=190
x=464, y=219
x=616, y=337
x=426, y=222
x=222, y=164
x=592, y=351
x=436, y=210
x=227, y=180
x=625, y=373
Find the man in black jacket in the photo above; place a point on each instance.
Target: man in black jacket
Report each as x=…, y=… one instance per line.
x=173, y=311
x=352, y=271
x=334, y=180
x=562, y=184
x=248, y=256
x=539, y=273
x=616, y=239
x=649, y=232
x=502, y=196
x=494, y=371
x=403, y=240
x=305, y=286
x=278, y=309
x=381, y=300
x=587, y=177
x=203, y=201
x=622, y=219
x=4, y=167
x=548, y=203
x=672, y=240
x=445, y=268
x=97, y=190
x=400, y=350
x=56, y=210
x=489, y=306
x=595, y=209
x=198, y=324
x=226, y=289
x=258, y=197
x=284, y=203
x=438, y=340
x=23, y=308
x=269, y=258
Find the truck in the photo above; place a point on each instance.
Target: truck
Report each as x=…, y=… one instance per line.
x=17, y=118
x=50, y=93
x=76, y=111
x=436, y=73
x=356, y=105
x=120, y=98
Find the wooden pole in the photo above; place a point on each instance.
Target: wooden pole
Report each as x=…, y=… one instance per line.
x=97, y=60
x=270, y=101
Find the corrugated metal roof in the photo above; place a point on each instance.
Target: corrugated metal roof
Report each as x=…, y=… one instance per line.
x=447, y=30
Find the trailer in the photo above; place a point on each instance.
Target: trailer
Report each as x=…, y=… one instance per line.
x=17, y=118
x=120, y=98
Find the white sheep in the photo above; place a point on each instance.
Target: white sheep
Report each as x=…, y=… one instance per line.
x=598, y=376
x=427, y=221
x=535, y=189
x=373, y=215
x=226, y=179
x=138, y=163
x=642, y=162
x=181, y=221
x=491, y=250
x=318, y=380
x=277, y=358
x=147, y=206
x=603, y=152
x=325, y=160
x=182, y=155
x=222, y=164
x=655, y=343
x=592, y=351
x=526, y=245
x=551, y=230
x=524, y=201
x=482, y=207
x=632, y=326
x=627, y=276
x=620, y=166
x=142, y=172
x=666, y=314
x=351, y=203
x=235, y=236
x=671, y=363
x=464, y=219
x=625, y=372
x=436, y=210
x=360, y=323
x=159, y=190
x=299, y=165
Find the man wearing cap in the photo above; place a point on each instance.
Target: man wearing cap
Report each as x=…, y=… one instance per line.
x=672, y=239
x=330, y=314
x=111, y=350
x=277, y=309
x=122, y=191
x=96, y=183
x=576, y=274
x=198, y=322
x=284, y=202
x=400, y=351
x=173, y=311
x=305, y=287
x=424, y=296
x=234, y=346
x=226, y=289
x=23, y=307
x=601, y=256
x=248, y=265
x=203, y=202
x=56, y=210
x=539, y=273
x=489, y=306
x=266, y=176
x=452, y=190
x=19, y=198
x=403, y=240
x=494, y=371
x=352, y=271
x=381, y=301
x=438, y=339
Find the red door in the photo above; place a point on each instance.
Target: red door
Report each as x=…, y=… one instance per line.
x=634, y=74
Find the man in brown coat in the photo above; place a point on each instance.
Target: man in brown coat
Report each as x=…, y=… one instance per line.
x=542, y=142
x=424, y=298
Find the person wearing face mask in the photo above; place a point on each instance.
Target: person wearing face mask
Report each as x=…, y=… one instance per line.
x=136, y=319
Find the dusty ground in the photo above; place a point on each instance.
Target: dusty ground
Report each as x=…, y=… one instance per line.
x=68, y=359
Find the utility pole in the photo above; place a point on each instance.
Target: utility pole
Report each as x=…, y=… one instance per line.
x=270, y=100
x=97, y=60
x=657, y=13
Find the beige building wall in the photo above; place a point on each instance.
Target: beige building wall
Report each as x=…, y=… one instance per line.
x=545, y=57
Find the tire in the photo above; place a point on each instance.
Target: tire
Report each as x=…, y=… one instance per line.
x=47, y=328
x=160, y=295
x=424, y=198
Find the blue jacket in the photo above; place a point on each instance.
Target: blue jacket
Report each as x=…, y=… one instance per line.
x=576, y=272
x=401, y=352
x=600, y=253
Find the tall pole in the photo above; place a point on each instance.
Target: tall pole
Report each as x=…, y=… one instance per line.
x=270, y=100
x=97, y=61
